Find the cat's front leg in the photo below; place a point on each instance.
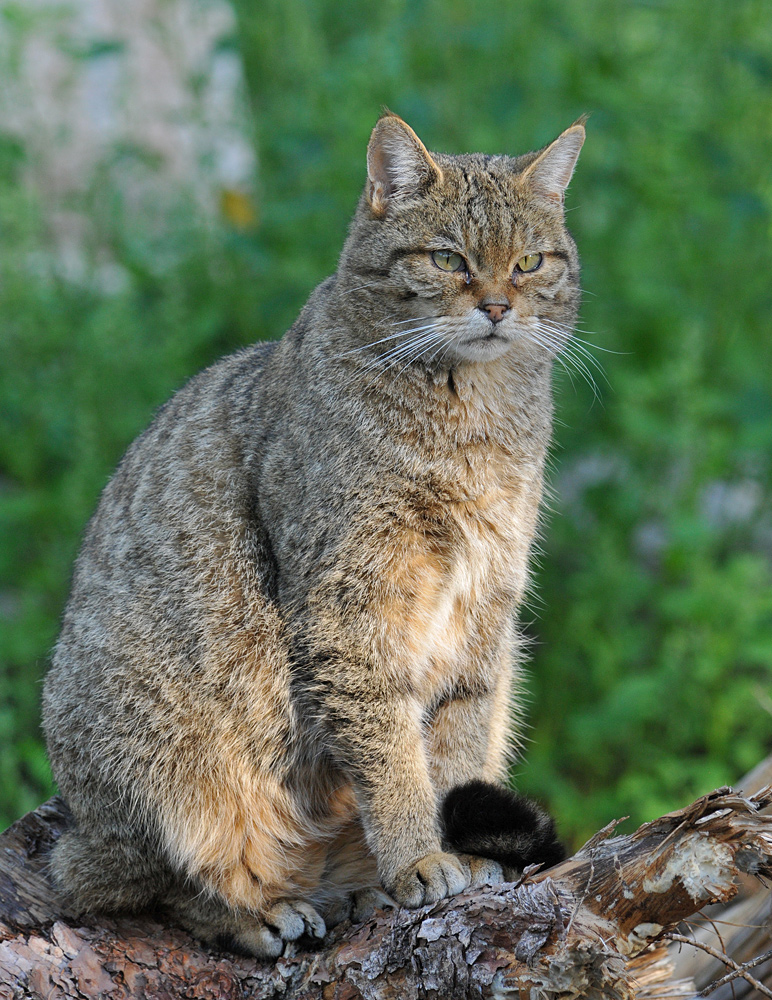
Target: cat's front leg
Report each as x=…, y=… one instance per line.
x=496, y=832
x=469, y=737
x=380, y=744
x=467, y=740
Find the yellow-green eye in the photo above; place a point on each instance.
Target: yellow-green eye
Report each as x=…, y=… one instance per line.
x=448, y=260
x=529, y=262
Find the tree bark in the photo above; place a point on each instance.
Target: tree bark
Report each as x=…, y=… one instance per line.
x=592, y=926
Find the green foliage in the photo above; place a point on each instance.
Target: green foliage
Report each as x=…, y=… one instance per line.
x=652, y=615
x=652, y=663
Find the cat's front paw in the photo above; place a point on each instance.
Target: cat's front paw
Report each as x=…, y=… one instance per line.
x=428, y=879
x=485, y=871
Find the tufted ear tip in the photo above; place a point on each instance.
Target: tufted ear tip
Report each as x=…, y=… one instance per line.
x=550, y=173
x=398, y=163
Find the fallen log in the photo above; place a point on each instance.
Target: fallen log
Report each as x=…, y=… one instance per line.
x=737, y=933
x=595, y=925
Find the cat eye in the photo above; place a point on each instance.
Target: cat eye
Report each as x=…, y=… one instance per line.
x=448, y=260
x=529, y=262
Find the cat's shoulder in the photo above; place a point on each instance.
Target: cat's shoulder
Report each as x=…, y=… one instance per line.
x=227, y=385
x=207, y=420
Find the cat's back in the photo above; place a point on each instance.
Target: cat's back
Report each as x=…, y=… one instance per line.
x=177, y=507
x=199, y=433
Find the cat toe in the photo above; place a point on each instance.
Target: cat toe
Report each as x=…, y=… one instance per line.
x=291, y=918
x=365, y=901
x=259, y=941
x=485, y=871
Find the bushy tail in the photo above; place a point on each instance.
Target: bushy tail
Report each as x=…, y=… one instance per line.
x=493, y=822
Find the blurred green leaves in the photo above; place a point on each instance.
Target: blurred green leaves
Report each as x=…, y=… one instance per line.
x=651, y=670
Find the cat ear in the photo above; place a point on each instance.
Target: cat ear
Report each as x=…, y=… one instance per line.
x=551, y=171
x=398, y=163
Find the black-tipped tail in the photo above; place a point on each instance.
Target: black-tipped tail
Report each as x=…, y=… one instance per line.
x=493, y=822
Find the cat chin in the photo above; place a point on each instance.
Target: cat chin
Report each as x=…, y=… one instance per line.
x=483, y=348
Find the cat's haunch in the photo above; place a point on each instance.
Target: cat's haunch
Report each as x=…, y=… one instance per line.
x=292, y=624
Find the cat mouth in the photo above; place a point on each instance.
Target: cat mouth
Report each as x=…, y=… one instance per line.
x=484, y=342
x=488, y=337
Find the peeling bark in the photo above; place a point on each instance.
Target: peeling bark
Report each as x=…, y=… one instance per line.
x=591, y=926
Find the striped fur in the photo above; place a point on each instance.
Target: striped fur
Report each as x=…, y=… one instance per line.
x=292, y=621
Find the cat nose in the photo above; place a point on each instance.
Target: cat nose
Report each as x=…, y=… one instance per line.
x=494, y=309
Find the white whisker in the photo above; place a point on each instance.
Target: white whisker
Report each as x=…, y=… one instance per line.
x=395, y=355
x=367, y=284
x=441, y=350
x=414, y=319
x=391, y=336
x=410, y=360
x=579, y=349
x=409, y=353
x=542, y=336
x=567, y=370
x=581, y=368
x=418, y=347
x=584, y=370
x=572, y=345
x=565, y=329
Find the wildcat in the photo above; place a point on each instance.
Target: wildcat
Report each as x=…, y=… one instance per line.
x=286, y=668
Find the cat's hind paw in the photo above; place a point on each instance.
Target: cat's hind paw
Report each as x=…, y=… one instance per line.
x=364, y=902
x=285, y=921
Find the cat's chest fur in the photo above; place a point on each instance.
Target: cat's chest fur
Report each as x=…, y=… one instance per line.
x=455, y=595
x=428, y=563
x=455, y=574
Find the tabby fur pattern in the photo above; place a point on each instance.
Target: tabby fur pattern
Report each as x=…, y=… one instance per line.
x=292, y=624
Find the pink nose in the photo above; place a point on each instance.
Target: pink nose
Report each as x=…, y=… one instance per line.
x=495, y=310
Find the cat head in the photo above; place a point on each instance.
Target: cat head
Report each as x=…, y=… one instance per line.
x=462, y=258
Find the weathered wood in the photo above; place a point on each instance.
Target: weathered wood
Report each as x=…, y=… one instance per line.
x=741, y=930
x=585, y=928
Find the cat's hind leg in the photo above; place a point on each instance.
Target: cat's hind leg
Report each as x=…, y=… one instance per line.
x=249, y=860
x=110, y=874
x=116, y=874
